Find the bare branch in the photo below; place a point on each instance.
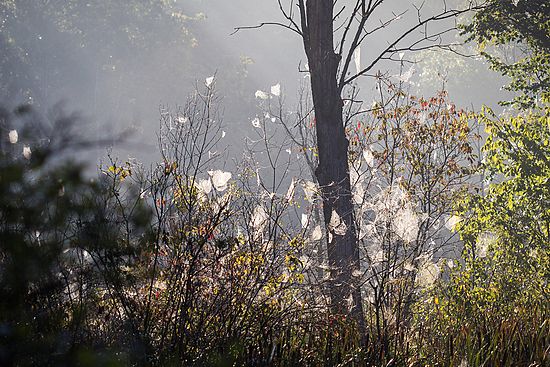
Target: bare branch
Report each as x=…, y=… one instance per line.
x=391, y=48
x=365, y=16
x=289, y=27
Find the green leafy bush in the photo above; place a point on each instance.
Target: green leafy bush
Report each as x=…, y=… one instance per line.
x=495, y=308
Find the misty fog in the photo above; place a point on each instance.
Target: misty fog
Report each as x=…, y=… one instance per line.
x=117, y=68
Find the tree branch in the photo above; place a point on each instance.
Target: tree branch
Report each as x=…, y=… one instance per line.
x=289, y=27
x=447, y=14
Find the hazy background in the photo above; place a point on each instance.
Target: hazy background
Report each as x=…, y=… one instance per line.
x=116, y=62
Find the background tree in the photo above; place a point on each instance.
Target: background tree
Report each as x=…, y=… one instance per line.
x=522, y=26
x=106, y=58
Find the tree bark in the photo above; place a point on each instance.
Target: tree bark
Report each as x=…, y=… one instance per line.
x=332, y=145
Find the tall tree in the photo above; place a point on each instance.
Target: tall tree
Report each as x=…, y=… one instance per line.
x=332, y=173
x=320, y=23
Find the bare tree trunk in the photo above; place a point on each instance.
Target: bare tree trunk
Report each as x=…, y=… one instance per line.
x=333, y=170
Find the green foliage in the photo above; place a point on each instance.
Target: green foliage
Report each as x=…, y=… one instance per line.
x=524, y=24
x=495, y=308
x=515, y=211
